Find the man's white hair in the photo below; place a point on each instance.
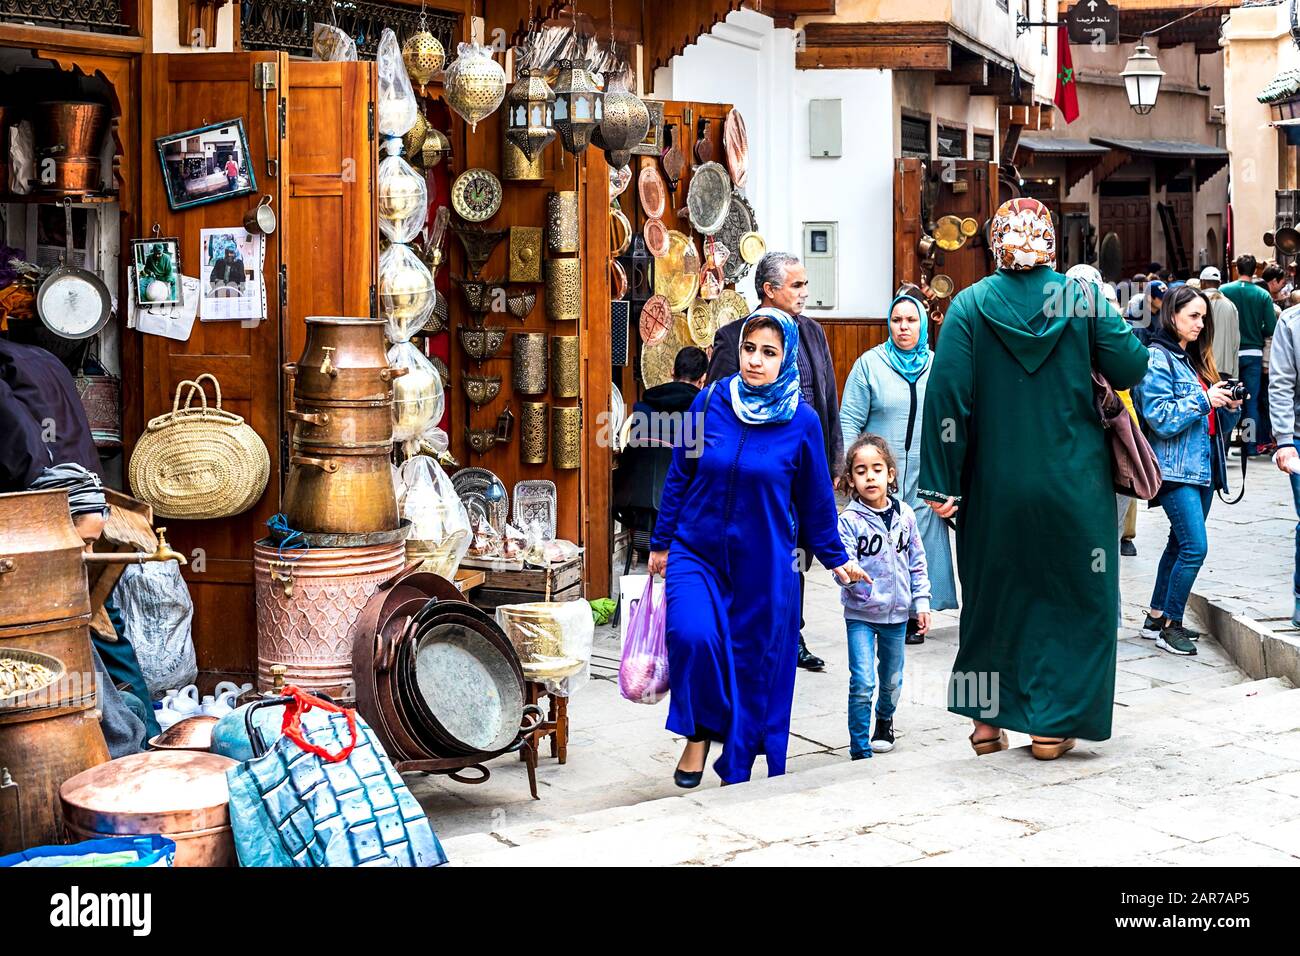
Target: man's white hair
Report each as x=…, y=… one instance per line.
x=771, y=270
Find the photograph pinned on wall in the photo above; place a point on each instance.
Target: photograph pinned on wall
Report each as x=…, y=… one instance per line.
x=206, y=164
x=157, y=269
x=231, y=275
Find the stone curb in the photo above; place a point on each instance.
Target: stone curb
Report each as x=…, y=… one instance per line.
x=1253, y=646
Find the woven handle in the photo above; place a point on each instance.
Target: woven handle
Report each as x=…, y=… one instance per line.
x=196, y=386
x=176, y=402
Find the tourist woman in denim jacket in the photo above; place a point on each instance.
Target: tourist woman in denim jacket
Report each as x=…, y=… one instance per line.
x=1179, y=401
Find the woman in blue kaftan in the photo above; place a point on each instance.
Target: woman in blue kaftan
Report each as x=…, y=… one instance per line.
x=725, y=540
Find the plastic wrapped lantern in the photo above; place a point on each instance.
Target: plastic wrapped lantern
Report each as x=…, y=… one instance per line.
x=626, y=121
x=530, y=113
x=406, y=293
x=398, y=107
x=423, y=55
x=403, y=200
x=475, y=84
x=579, y=106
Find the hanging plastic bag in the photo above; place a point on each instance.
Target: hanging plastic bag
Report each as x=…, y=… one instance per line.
x=418, y=397
x=398, y=106
x=332, y=45
x=403, y=200
x=157, y=610
x=406, y=293
x=325, y=794
x=440, y=532
x=643, y=670
x=485, y=540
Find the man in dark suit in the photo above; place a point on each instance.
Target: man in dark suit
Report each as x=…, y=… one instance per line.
x=781, y=282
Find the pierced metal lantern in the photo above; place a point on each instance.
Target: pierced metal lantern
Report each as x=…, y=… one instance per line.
x=436, y=146
x=424, y=56
x=530, y=113
x=626, y=122
x=640, y=268
x=475, y=84
x=413, y=140
x=579, y=106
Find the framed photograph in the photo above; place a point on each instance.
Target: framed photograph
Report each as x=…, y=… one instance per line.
x=206, y=164
x=157, y=273
x=653, y=144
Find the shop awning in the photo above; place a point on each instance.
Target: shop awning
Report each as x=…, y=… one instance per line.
x=1282, y=87
x=1079, y=156
x=1172, y=158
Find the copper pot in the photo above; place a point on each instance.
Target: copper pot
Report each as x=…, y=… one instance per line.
x=344, y=359
x=181, y=794
x=306, y=609
x=340, y=490
x=70, y=176
x=67, y=640
x=343, y=425
x=41, y=749
x=42, y=577
x=69, y=130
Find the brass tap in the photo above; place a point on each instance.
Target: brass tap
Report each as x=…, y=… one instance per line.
x=278, y=671
x=163, y=552
x=326, y=366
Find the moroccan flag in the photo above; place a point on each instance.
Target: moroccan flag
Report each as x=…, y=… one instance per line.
x=1067, y=93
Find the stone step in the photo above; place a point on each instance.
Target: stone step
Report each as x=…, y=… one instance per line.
x=1177, y=698
x=883, y=811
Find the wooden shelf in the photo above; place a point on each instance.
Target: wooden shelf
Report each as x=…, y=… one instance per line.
x=47, y=199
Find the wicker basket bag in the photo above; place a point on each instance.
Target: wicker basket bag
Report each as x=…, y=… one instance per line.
x=199, y=462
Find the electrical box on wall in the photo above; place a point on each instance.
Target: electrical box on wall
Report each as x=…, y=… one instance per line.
x=824, y=139
x=821, y=259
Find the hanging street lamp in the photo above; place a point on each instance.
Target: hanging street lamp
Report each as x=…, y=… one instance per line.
x=530, y=113
x=1142, y=76
x=579, y=106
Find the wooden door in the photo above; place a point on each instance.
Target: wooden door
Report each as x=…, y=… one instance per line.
x=330, y=233
x=966, y=189
x=1125, y=209
x=183, y=92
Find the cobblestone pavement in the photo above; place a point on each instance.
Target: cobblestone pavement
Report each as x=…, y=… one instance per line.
x=1204, y=765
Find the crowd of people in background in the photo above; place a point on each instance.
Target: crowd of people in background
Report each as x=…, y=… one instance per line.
x=992, y=435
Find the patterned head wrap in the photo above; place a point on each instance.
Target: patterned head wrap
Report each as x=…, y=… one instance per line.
x=777, y=400
x=1023, y=235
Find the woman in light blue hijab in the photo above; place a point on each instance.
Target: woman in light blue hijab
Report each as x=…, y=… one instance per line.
x=885, y=395
x=735, y=503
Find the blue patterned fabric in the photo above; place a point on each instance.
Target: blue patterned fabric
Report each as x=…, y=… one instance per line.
x=777, y=400
x=291, y=808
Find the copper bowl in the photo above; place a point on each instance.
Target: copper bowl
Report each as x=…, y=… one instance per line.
x=190, y=733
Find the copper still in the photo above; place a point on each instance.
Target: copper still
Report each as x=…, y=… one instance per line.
x=341, y=491
x=306, y=607
x=343, y=425
x=42, y=577
x=69, y=133
x=343, y=360
x=181, y=794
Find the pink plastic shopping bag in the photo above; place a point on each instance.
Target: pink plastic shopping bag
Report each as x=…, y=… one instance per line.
x=643, y=672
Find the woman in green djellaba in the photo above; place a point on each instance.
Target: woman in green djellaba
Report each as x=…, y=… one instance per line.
x=1013, y=448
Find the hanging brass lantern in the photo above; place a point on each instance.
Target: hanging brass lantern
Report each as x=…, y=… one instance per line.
x=626, y=122
x=579, y=106
x=414, y=140
x=436, y=146
x=423, y=56
x=530, y=113
x=475, y=84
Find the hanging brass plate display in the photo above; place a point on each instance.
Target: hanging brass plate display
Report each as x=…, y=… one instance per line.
x=520, y=302
x=948, y=234
x=529, y=360
x=566, y=437
x=563, y=290
x=476, y=195
x=657, y=360
x=699, y=323
x=525, y=254
x=729, y=307
x=941, y=285
x=566, y=365
x=481, y=389
x=676, y=278
x=562, y=221
x=656, y=320
x=620, y=232
x=739, y=224
x=708, y=198
x=752, y=248
x=479, y=244
x=534, y=432
x=480, y=344
x=969, y=227
x=652, y=192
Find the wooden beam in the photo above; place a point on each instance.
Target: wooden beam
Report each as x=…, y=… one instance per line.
x=70, y=41
x=883, y=46
x=1110, y=164
x=970, y=71
x=786, y=12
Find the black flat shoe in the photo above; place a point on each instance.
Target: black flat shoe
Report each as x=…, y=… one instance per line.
x=808, y=660
x=1128, y=548
x=688, y=779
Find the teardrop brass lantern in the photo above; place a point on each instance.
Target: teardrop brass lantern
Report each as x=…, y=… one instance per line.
x=626, y=122
x=413, y=141
x=530, y=113
x=475, y=84
x=579, y=106
x=435, y=147
x=423, y=55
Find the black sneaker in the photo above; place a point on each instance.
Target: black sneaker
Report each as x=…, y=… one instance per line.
x=1174, y=639
x=1152, y=627
x=1127, y=548
x=882, y=741
x=1187, y=631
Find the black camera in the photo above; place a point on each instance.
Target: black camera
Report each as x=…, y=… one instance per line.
x=1236, y=389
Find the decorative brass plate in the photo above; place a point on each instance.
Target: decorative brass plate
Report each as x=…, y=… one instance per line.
x=525, y=253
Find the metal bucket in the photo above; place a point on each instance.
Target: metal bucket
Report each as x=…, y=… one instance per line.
x=307, y=606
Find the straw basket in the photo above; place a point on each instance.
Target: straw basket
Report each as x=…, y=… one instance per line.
x=199, y=462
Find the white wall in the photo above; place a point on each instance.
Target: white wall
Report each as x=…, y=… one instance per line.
x=749, y=63
x=166, y=27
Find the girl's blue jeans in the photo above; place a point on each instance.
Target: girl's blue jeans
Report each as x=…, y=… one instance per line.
x=874, y=649
x=1186, y=506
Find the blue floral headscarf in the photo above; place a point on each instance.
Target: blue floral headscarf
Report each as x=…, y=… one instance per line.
x=910, y=364
x=777, y=400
